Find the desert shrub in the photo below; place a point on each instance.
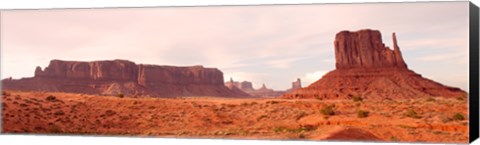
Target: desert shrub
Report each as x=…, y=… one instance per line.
x=316, y=96
x=358, y=104
x=279, y=129
x=60, y=112
x=300, y=129
x=362, y=114
x=357, y=99
x=412, y=114
x=458, y=116
x=301, y=136
x=54, y=129
x=430, y=99
x=110, y=113
x=51, y=98
x=272, y=102
x=300, y=115
x=328, y=110
x=4, y=93
x=120, y=95
x=462, y=98
x=261, y=117
x=306, y=128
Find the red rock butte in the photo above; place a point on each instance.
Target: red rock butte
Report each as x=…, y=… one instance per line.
x=367, y=68
x=115, y=77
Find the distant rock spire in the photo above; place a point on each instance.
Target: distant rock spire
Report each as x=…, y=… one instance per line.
x=38, y=71
x=397, y=53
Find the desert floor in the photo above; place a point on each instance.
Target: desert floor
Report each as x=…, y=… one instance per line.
x=418, y=120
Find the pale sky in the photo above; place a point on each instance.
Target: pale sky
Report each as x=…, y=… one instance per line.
x=262, y=44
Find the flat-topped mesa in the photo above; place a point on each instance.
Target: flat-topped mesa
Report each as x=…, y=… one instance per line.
x=122, y=76
x=124, y=70
x=118, y=70
x=365, y=49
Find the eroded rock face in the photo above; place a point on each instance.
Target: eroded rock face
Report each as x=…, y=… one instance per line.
x=365, y=49
x=126, y=77
x=366, y=67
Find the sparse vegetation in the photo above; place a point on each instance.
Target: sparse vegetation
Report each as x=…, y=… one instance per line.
x=54, y=129
x=328, y=110
x=317, y=97
x=430, y=100
x=458, y=116
x=272, y=102
x=58, y=113
x=261, y=117
x=120, y=95
x=110, y=113
x=462, y=98
x=357, y=98
x=4, y=93
x=51, y=98
x=300, y=129
x=412, y=114
x=362, y=114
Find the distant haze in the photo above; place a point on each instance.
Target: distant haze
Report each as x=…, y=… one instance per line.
x=262, y=44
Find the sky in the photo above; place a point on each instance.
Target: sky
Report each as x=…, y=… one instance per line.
x=271, y=44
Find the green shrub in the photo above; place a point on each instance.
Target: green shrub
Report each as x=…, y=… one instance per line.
x=458, y=116
x=357, y=99
x=328, y=110
x=412, y=114
x=362, y=114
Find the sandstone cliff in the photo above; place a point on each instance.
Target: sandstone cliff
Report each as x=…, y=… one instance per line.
x=366, y=67
x=125, y=77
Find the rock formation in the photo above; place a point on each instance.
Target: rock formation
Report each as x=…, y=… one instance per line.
x=124, y=77
x=295, y=85
x=366, y=67
x=247, y=87
x=244, y=86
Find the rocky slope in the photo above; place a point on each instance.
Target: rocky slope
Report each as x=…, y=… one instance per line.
x=124, y=77
x=365, y=67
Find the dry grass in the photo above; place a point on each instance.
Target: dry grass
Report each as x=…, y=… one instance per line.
x=312, y=119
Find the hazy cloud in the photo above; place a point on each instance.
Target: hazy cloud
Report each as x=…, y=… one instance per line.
x=262, y=44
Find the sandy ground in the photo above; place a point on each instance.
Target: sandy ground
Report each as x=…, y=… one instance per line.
x=414, y=120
